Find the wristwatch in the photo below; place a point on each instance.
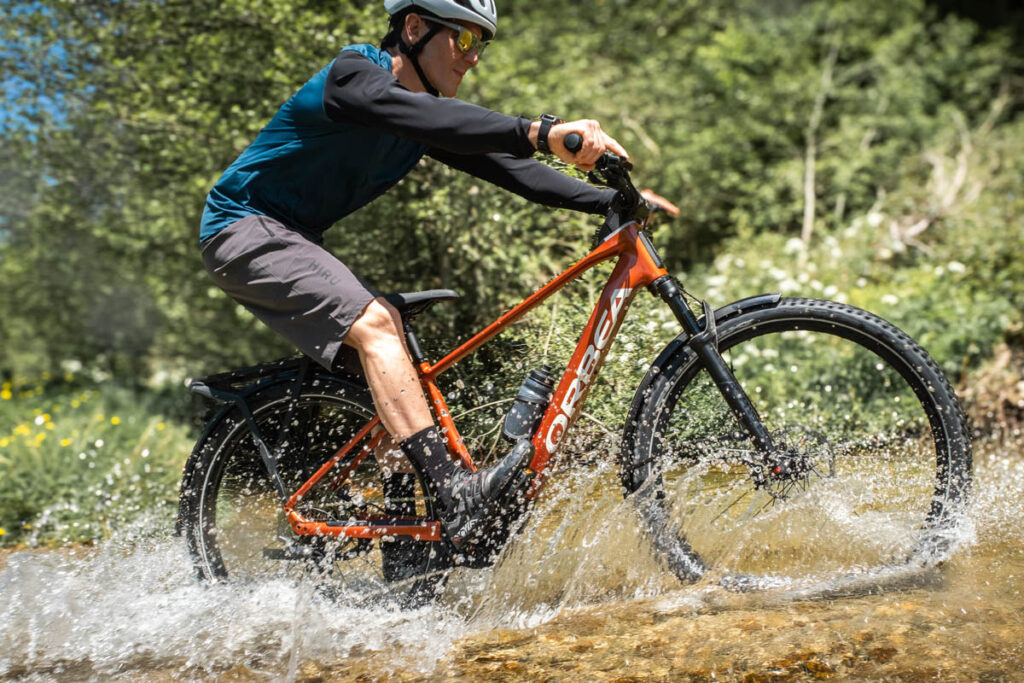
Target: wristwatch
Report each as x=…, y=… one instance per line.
x=546, y=121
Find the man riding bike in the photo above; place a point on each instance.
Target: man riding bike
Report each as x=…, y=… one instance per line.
x=345, y=137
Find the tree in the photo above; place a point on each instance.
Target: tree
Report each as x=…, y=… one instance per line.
x=757, y=117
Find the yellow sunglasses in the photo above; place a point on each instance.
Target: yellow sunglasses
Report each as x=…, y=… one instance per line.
x=466, y=40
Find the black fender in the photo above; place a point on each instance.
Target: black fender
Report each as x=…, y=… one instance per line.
x=727, y=312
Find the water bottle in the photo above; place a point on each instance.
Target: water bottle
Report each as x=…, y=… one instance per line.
x=528, y=408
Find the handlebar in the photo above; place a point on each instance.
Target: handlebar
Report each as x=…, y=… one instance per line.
x=613, y=171
x=573, y=142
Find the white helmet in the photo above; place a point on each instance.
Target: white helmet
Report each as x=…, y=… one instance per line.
x=479, y=12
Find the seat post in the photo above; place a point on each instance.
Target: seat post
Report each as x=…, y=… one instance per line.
x=414, y=344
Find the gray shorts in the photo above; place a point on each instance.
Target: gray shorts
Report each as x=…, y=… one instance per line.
x=294, y=285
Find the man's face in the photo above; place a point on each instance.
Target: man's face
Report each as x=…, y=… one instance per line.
x=443, y=62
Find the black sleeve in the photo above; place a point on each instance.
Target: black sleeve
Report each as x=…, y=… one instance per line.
x=359, y=91
x=531, y=179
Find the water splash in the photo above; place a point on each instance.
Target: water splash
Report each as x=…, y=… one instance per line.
x=133, y=605
x=130, y=606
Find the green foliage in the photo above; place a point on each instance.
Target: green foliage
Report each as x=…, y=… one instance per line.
x=958, y=296
x=127, y=112
x=75, y=462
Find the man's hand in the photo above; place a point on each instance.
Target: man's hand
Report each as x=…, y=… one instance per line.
x=595, y=142
x=659, y=202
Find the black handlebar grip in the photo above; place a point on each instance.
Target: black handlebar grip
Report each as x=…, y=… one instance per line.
x=573, y=142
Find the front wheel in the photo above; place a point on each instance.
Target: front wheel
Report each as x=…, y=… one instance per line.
x=872, y=463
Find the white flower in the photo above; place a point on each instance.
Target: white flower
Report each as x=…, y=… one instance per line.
x=956, y=267
x=788, y=286
x=716, y=280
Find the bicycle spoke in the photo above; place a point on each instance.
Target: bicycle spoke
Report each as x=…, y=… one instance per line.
x=730, y=506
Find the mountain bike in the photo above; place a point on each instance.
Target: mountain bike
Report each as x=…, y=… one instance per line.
x=773, y=436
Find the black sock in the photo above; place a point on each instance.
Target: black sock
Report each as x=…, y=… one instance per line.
x=427, y=450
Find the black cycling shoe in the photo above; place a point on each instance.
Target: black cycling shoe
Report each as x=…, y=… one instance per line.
x=471, y=492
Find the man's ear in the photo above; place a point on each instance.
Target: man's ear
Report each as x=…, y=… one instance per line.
x=415, y=28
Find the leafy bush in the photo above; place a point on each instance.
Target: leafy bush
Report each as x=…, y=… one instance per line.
x=76, y=460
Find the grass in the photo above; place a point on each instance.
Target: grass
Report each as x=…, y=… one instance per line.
x=78, y=459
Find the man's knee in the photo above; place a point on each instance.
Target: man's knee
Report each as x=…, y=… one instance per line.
x=377, y=326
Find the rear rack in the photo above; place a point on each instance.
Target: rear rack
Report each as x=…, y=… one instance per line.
x=251, y=374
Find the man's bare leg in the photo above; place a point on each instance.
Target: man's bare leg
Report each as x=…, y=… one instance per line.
x=389, y=371
x=403, y=410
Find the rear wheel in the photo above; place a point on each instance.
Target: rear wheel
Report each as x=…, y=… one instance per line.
x=232, y=516
x=873, y=460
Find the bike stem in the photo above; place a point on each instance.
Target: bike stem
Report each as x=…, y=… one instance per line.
x=704, y=342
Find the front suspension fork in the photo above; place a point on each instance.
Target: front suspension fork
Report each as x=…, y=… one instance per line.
x=704, y=342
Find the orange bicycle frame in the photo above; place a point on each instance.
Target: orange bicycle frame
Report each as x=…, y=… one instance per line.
x=637, y=266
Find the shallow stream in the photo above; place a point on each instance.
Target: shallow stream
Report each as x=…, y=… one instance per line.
x=575, y=598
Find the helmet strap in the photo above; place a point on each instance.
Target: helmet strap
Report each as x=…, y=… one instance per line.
x=413, y=53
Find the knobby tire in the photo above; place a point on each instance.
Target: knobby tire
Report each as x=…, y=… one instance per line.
x=875, y=450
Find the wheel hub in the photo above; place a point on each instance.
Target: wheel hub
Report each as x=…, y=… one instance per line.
x=802, y=455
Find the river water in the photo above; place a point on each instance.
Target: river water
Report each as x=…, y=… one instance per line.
x=576, y=598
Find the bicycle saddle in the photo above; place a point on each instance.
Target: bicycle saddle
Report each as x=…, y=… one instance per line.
x=411, y=304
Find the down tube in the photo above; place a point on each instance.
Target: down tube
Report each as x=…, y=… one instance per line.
x=633, y=272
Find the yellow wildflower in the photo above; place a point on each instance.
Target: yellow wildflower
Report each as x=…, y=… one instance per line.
x=160, y=425
x=4, y=443
x=75, y=403
x=65, y=442
x=6, y=394
x=115, y=420
x=3, y=531
x=22, y=430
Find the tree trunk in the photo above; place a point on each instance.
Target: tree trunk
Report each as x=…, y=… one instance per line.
x=811, y=146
